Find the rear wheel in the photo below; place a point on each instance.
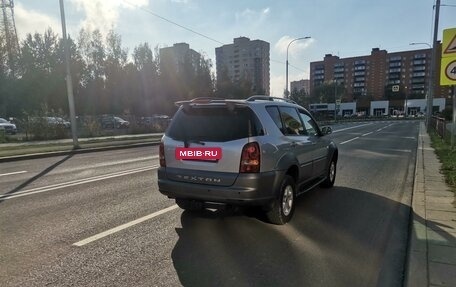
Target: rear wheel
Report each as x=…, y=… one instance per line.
x=283, y=207
x=330, y=174
x=190, y=205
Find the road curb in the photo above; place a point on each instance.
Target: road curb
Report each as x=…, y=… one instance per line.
x=416, y=271
x=76, y=151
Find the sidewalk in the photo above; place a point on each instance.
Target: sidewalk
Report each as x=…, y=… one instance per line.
x=432, y=245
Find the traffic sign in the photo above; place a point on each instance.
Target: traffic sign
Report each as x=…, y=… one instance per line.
x=448, y=71
x=448, y=61
x=449, y=43
x=395, y=88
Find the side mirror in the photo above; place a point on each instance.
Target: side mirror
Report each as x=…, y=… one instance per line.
x=326, y=130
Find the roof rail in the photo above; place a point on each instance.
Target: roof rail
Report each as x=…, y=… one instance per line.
x=202, y=100
x=267, y=98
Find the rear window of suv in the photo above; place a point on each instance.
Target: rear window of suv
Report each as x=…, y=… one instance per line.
x=216, y=124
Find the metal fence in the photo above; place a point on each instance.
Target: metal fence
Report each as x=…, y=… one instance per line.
x=438, y=124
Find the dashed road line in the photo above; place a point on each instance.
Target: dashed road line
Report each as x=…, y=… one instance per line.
x=12, y=173
x=349, y=128
x=349, y=140
x=123, y=226
x=367, y=134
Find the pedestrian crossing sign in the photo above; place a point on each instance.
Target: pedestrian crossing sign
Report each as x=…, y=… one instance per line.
x=449, y=43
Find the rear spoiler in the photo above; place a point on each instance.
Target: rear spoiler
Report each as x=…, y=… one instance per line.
x=230, y=104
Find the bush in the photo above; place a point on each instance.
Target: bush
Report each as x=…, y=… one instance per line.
x=37, y=125
x=2, y=136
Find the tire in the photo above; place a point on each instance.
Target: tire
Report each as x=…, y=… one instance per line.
x=190, y=205
x=330, y=174
x=283, y=207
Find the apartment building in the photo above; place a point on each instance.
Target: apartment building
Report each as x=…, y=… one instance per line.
x=300, y=85
x=380, y=76
x=177, y=55
x=245, y=59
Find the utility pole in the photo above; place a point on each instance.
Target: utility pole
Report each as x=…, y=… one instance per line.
x=432, y=84
x=453, y=126
x=69, y=82
x=9, y=34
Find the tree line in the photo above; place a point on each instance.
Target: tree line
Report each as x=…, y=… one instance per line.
x=106, y=78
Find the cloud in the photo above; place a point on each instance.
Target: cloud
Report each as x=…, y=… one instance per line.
x=296, y=48
x=30, y=21
x=277, y=85
x=250, y=16
x=103, y=15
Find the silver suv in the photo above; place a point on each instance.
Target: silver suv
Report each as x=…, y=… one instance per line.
x=261, y=151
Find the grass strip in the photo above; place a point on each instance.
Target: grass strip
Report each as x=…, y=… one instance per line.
x=447, y=157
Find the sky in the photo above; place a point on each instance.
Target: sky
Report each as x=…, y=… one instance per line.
x=340, y=27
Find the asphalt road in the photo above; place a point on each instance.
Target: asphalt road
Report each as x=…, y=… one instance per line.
x=97, y=219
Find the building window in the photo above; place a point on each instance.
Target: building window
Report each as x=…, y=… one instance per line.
x=419, y=74
x=419, y=62
x=395, y=64
x=419, y=56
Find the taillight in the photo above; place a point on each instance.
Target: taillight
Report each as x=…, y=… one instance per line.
x=250, y=159
x=161, y=155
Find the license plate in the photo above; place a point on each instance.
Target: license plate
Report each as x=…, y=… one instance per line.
x=198, y=153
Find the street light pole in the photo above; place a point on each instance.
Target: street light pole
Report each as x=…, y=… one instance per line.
x=430, y=102
x=69, y=82
x=287, y=93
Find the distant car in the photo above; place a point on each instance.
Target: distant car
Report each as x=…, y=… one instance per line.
x=111, y=122
x=58, y=122
x=8, y=127
x=154, y=120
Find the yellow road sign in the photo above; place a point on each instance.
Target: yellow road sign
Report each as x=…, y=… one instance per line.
x=449, y=43
x=448, y=62
x=448, y=71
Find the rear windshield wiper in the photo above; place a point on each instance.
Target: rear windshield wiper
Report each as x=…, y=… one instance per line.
x=187, y=142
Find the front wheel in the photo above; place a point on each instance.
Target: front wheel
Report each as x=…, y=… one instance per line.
x=330, y=174
x=283, y=207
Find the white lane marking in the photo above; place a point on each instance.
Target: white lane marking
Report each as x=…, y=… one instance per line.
x=109, y=163
x=341, y=130
x=123, y=226
x=379, y=129
x=74, y=182
x=349, y=140
x=11, y=173
x=367, y=134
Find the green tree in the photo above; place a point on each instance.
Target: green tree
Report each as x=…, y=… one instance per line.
x=116, y=93
x=146, y=67
x=300, y=97
x=228, y=89
x=93, y=53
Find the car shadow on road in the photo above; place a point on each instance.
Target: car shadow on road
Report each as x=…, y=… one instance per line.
x=338, y=237
x=39, y=175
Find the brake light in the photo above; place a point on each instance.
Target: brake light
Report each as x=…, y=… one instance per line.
x=250, y=158
x=161, y=155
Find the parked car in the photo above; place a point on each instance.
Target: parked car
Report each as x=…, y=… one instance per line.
x=262, y=151
x=8, y=127
x=111, y=122
x=58, y=122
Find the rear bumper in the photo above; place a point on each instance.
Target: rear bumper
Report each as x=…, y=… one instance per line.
x=248, y=189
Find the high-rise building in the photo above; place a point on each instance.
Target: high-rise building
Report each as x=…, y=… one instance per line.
x=381, y=75
x=300, y=85
x=178, y=55
x=245, y=59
